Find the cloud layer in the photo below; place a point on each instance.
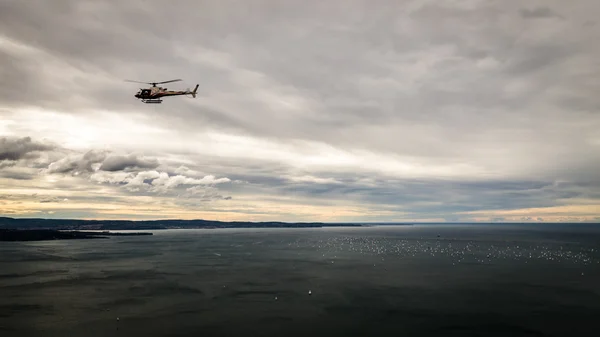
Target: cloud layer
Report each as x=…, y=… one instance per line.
x=342, y=111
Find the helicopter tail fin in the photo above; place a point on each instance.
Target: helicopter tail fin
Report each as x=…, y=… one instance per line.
x=195, y=90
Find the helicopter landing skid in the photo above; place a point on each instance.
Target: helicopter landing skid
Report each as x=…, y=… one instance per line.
x=155, y=101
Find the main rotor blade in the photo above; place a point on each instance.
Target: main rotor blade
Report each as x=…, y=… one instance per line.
x=138, y=82
x=168, y=81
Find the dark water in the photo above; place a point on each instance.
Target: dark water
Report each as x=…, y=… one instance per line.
x=401, y=281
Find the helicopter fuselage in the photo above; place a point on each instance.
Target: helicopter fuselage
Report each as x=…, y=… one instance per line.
x=154, y=94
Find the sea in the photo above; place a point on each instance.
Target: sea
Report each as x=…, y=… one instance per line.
x=419, y=280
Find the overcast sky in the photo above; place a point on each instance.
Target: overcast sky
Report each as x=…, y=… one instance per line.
x=338, y=110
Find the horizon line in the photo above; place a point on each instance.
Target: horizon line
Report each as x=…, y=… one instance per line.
x=314, y=222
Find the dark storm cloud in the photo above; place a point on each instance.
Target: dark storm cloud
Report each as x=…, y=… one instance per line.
x=94, y=160
x=12, y=149
x=22, y=157
x=78, y=163
x=119, y=163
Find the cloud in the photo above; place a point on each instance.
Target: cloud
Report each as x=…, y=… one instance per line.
x=100, y=160
x=154, y=181
x=539, y=12
x=162, y=182
x=204, y=193
x=52, y=199
x=111, y=177
x=78, y=163
x=7, y=163
x=17, y=173
x=119, y=163
x=21, y=157
x=13, y=149
x=413, y=110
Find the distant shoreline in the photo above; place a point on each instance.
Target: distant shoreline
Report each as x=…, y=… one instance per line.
x=72, y=224
x=51, y=234
x=136, y=225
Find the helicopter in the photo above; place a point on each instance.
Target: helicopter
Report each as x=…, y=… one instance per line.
x=154, y=94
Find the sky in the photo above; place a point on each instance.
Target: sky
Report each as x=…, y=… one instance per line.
x=340, y=110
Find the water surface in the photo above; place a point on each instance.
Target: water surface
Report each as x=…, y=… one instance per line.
x=447, y=280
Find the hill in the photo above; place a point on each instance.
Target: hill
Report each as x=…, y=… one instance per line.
x=75, y=224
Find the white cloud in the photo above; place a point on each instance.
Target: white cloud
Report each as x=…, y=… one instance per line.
x=153, y=181
x=111, y=177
